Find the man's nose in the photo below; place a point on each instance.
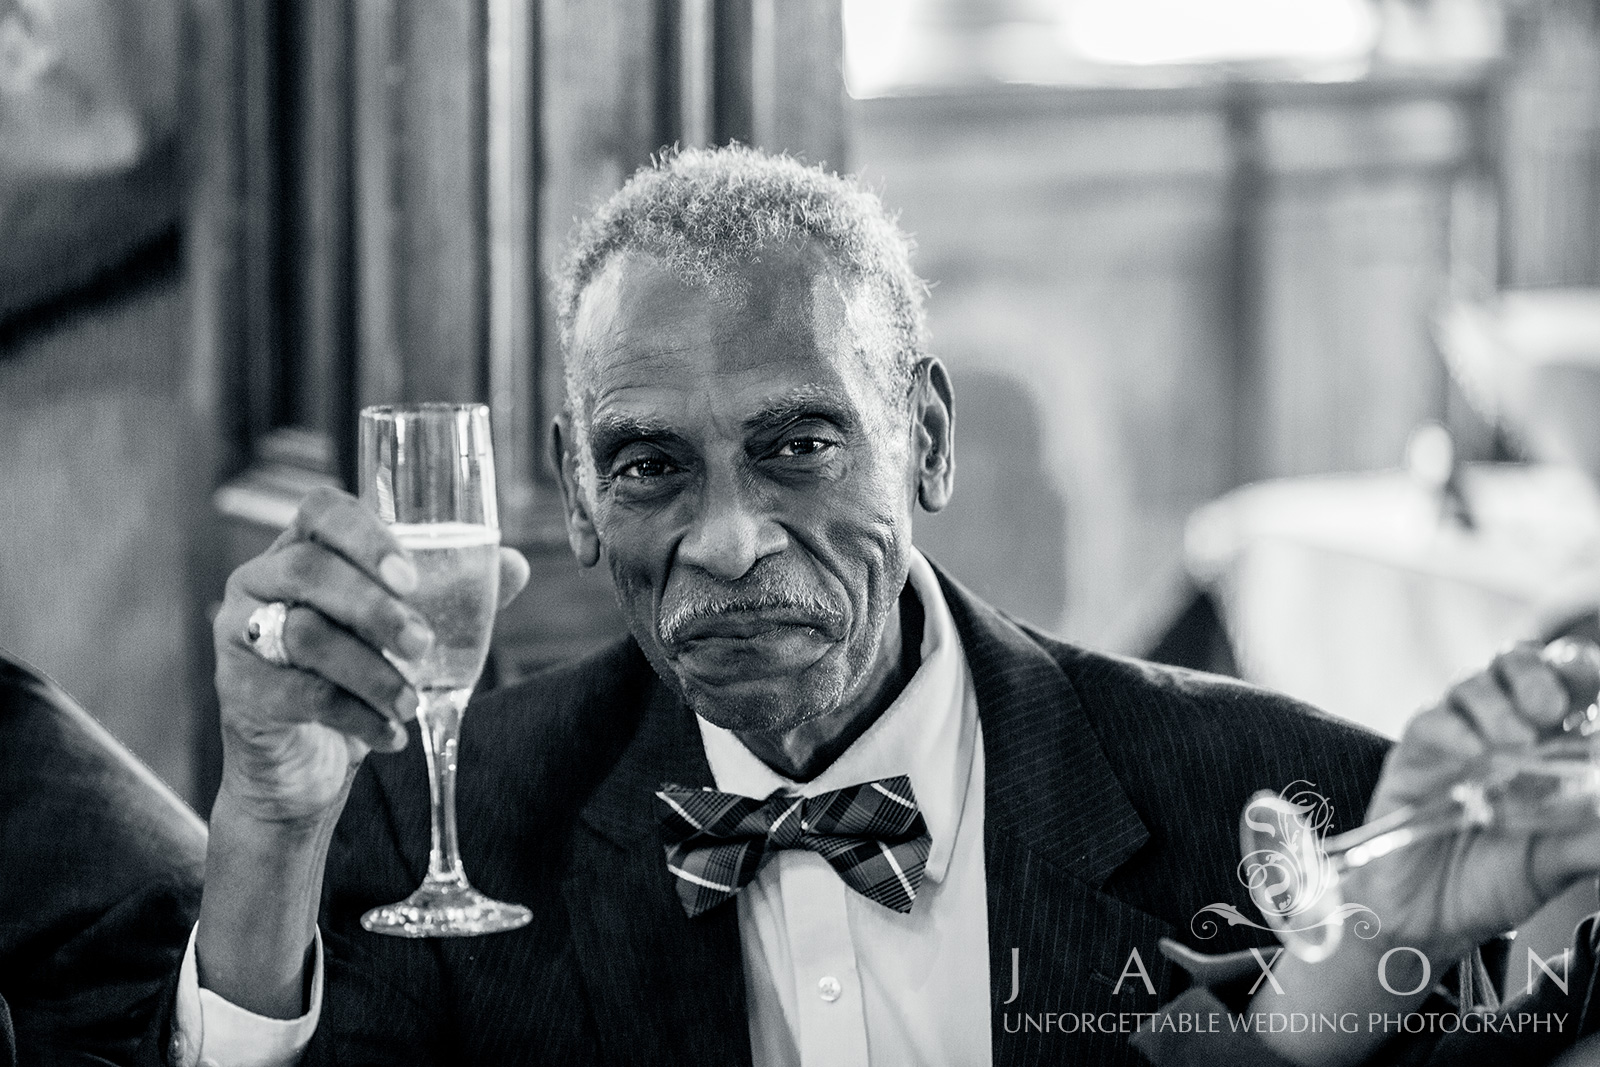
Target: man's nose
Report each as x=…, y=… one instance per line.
x=731, y=533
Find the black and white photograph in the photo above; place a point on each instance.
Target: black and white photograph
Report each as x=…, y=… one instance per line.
x=799, y=533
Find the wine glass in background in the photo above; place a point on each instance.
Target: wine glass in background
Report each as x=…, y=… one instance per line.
x=1295, y=875
x=428, y=471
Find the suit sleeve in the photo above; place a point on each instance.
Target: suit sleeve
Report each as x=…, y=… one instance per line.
x=95, y=994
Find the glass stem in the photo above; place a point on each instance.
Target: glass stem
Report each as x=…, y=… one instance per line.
x=439, y=715
x=1466, y=806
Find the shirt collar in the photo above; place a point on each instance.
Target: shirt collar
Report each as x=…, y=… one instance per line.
x=928, y=734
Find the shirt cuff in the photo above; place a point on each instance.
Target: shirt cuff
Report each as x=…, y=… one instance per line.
x=208, y=1031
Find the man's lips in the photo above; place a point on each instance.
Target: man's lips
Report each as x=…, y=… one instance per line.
x=730, y=650
x=749, y=626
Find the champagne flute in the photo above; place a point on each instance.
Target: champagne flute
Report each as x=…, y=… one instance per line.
x=428, y=471
x=1295, y=875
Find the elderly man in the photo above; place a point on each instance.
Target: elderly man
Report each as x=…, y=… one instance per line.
x=996, y=828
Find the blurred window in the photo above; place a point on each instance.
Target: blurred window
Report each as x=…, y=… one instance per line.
x=895, y=46
x=1183, y=31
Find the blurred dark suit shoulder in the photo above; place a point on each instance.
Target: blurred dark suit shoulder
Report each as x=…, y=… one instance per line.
x=100, y=869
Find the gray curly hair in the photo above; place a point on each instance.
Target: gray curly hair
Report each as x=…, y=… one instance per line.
x=706, y=210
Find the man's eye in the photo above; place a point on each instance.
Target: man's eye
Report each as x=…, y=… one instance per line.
x=654, y=467
x=804, y=446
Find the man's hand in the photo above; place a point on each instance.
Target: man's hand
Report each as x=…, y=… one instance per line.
x=1445, y=895
x=292, y=736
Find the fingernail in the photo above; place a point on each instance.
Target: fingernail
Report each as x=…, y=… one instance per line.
x=1560, y=652
x=415, y=640
x=398, y=574
x=405, y=704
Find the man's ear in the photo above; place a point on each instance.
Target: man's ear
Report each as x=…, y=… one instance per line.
x=581, y=534
x=933, y=416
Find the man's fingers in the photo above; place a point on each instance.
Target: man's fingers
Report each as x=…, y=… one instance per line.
x=1487, y=708
x=307, y=573
x=514, y=572
x=1436, y=746
x=328, y=667
x=317, y=645
x=342, y=523
x=354, y=718
x=1559, y=859
x=1438, y=733
x=1535, y=688
x=1577, y=663
x=303, y=696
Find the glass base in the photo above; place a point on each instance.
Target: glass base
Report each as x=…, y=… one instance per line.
x=445, y=909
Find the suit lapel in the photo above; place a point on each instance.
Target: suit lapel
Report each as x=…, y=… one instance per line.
x=666, y=989
x=1057, y=823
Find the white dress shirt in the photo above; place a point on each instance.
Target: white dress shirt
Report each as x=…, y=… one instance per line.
x=831, y=979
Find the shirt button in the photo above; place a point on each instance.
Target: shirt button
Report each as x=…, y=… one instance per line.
x=829, y=989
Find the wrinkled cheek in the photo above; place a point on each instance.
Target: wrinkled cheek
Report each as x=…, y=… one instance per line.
x=633, y=590
x=873, y=552
x=633, y=572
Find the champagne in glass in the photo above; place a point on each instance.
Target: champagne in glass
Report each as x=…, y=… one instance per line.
x=428, y=470
x=458, y=566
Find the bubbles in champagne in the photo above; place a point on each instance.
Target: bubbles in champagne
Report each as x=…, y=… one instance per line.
x=459, y=567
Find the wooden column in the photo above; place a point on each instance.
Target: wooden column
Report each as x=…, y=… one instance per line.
x=780, y=77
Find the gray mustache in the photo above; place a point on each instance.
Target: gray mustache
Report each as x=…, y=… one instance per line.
x=702, y=604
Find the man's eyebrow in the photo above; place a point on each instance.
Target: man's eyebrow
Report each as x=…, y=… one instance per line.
x=611, y=431
x=803, y=405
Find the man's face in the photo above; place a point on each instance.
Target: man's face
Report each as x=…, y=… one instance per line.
x=749, y=474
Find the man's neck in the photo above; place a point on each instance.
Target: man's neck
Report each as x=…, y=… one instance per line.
x=806, y=751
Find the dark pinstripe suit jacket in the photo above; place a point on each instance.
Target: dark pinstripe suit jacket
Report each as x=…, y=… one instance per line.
x=1113, y=793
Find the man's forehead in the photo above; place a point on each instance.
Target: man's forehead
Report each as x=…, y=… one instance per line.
x=787, y=315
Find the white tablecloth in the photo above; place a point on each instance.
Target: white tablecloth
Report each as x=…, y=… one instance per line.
x=1349, y=592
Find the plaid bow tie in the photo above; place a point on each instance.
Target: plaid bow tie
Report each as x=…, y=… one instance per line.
x=872, y=834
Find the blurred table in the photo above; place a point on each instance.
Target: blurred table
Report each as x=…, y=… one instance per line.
x=1350, y=593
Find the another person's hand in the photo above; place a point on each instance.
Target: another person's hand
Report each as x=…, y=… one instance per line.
x=293, y=736
x=1446, y=895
